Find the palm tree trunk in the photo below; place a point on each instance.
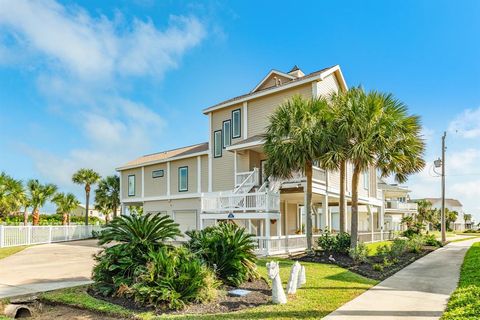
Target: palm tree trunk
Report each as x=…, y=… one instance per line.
x=354, y=223
x=87, y=201
x=342, y=202
x=25, y=216
x=35, y=216
x=114, y=212
x=65, y=218
x=308, y=205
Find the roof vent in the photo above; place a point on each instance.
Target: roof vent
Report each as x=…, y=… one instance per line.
x=296, y=72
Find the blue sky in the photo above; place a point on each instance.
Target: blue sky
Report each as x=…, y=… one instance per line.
x=96, y=83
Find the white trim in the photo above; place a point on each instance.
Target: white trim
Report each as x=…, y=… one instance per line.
x=262, y=93
x=199, y=174
x=143, y=182
x=121, y=188
x=240, y=145
x=315, y=89
x=273, y=71
x=158, y=198
x=235, y=167
x=245, y=120
x=242, y=215
x=210, y=153
x=168, y=178
x=192, y=155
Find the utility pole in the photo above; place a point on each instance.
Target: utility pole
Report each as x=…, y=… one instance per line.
x=444, y=238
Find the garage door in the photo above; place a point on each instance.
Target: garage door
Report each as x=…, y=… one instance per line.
x=186, y=219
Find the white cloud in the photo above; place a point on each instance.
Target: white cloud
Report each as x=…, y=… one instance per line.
x=85, y=66
x=466, y=124
x=464, y=162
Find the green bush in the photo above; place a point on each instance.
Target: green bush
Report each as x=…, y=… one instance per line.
x=359, y=254
x=413, y=230
x=377, y=267
x=398, y=248
x=383, y=250
x=173, y=277
x=339, y=243
x=387, y=263
x=228, y=249
x=431, y=240
x=415, y=243
x=48, y=220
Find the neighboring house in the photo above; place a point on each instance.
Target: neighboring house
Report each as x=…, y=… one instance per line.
x=80, y=212
x=397, y=205
x=224, y=178
x=452, y=205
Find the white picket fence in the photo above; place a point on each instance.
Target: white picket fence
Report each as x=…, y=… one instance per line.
x=11, y=236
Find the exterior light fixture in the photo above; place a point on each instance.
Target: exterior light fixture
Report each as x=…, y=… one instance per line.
x=437, y=163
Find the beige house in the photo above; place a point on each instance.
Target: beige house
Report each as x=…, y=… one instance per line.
x=223, y=179
x=397, y=205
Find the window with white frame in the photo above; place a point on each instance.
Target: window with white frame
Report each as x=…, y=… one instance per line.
x=236, y=123
x=157, y=173
x=227, y=133
x=183, y=179
x=217, y=143
x=131, y=185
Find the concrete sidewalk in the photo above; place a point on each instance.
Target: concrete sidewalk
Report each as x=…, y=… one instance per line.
x=419, y=291
x=47, y=267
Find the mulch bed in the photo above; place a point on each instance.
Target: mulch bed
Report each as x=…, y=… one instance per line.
x=366, y=269
x=260, y=295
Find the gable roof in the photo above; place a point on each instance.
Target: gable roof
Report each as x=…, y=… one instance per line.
x=448, y=201
x=272, y=72
x=164, y=156
x=317, y=75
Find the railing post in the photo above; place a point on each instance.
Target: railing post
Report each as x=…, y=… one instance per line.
x=29, y=235
x=2, y=236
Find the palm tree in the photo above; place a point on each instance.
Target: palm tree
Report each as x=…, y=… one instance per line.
x=424, y=208
x=107, y=195
x=38, y=195
x=12, y=195
x=382, y=135
x=66, y=202
x=86, y=177
x=293, y=142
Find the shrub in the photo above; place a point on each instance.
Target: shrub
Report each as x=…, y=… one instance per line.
x=173, y=277
x=377, y=267
x=412, y=230
x=387, y=263
x=339, y=243
x=359, y=254
x=383, y=250
x=431, y=240
x=415, y=244
x=228, y=249
x=398, y=247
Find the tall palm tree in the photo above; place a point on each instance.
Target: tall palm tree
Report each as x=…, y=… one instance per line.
x=86, y=177
x=66, y=202
x=293, y=142
x=107, y=194
x=39, y=194
x=424, y=208
x=382, y=135
x=12, y=195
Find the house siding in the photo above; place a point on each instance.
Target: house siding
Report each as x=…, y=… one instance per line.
x=156, y=186
x=191, y=163
x=138, y=182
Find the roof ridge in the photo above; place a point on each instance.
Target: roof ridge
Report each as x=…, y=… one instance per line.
x=165, y=151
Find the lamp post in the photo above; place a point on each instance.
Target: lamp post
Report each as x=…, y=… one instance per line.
x=441, y=163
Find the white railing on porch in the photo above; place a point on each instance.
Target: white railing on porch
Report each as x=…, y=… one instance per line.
x=395, y=204
x=229, y=201
x=11, y=236
x=376, y=236
x=249, y=178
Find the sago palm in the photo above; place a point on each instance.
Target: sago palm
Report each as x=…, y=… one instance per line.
x=107, y=195
x=293, y=141
x=86, y=177
x=381, y=134
x=39, y=194
x=65, y=202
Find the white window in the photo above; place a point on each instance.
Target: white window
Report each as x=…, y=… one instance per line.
x=366, y=179
x=131, y=185
x=183, y=179
x=217, y=143
x=236, y=123
x=227, y=133
x=157, y=173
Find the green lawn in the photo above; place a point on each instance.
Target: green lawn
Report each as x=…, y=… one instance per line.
x=328, y=287
x=372, y=247
x=465, y=300
x=5, y=252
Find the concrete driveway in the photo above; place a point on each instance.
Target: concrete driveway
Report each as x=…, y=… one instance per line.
x=47, y=267
x=420, y=291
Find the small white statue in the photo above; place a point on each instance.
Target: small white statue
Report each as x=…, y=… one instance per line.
x=278, y=295
x=302, y=279
x=331, y=258
x=292, y=281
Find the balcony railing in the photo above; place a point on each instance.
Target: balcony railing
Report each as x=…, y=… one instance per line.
x=248, y=177
x=395, y=204
x=231, y=202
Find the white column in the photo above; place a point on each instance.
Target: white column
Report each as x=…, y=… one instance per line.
x=199, y=174
x=326, y=212
x=381, y=211
x=235, y=169
x=143, y=182
x=279, y=226
x=249, y=222
x=286, y=216
x=245, y=120
x=210, y=153
x=370, y=213
x=168, y=178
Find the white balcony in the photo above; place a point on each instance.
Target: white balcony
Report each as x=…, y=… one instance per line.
x=393, y=205
x=218, y=202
